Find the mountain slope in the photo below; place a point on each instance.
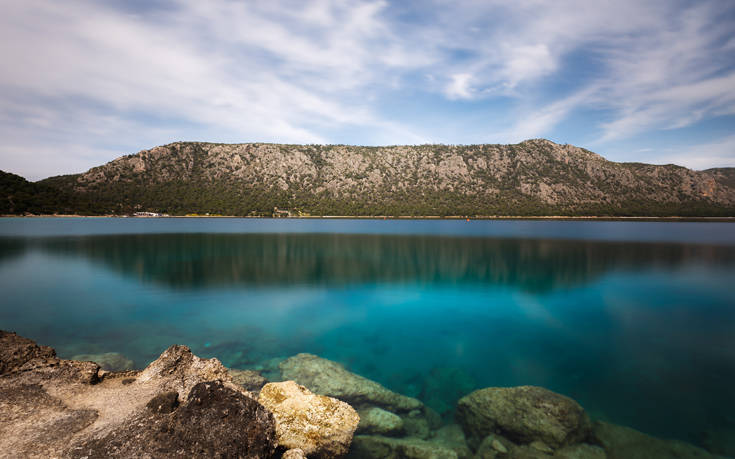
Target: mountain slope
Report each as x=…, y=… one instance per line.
x=535, y=177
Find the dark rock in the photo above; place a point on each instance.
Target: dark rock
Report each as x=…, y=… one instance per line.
x=625, y=443
x=523, y=414
x=216, y=421
x=16, y=350
x=163, y=403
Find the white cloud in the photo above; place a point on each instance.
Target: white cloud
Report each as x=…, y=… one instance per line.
x=718, y=153
x=459, y=86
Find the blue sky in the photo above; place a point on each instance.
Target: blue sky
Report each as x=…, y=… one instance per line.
x=84, y=82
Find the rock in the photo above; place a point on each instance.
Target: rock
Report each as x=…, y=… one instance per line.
x=251, y=380
x=294, y=454
x=541, y=447
x=50, y=406
x=375, y=446
x=216, y=421
x=623, y=442
x=16, y=350
x=523, y=414
x=452, y=437
x=325, y=377
x=416, y=425
x=164, y=403
x=179, y=369
x=376, y=420
x=321, y=426
x=494, y=446
x=581, y=451
x=109, y=361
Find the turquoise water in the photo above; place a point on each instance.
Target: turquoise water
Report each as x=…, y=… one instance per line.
x=634, y=320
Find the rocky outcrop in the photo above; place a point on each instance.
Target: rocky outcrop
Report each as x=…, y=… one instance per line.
x=108, y=361
x=179, y=405
x=216, y=421
x=325, y=377
x=322, y=427
x=16, y=350
x=523, y=414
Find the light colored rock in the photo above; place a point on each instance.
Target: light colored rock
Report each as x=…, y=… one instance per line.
x=375, y=446
x=625, y=443
x=523, y=414
x=110, y=361
x=321, y=426
x=295, y=453
x=376, y=420
x=541, y=447
x=179, y=370
x=581, y=451
x=325, y=377
x=497, y=446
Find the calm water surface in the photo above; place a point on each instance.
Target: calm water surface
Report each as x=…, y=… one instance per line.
x=634, y=320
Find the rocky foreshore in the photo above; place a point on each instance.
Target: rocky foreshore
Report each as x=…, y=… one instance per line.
x=184, y=406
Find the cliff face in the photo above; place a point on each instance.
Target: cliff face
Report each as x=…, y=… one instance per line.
x=533, y=177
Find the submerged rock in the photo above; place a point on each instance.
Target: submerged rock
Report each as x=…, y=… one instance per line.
x=452, y=437
x=109, y=361
x=251, y=380
x=321, y=426
x=325, y=377
x=523, y=414
x=376, y=446
x=376, y=420
x=581, y=451
x=623, y=442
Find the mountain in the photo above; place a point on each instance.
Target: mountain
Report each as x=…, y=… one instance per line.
x=535, y=177
x=19, y=196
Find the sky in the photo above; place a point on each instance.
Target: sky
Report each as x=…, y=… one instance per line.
x=83, y=82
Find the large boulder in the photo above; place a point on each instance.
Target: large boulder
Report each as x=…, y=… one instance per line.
x=325, y=377
x=376, y=446
x=321, y=426
x=216, y=421
x=625, y=443
x=523, y=414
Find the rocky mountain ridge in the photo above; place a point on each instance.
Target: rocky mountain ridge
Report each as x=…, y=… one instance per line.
x=534, y=177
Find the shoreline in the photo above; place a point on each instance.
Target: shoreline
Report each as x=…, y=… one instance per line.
x=672, y=218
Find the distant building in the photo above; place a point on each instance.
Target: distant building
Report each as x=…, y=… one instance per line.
x=278, y=213
x=147, y=214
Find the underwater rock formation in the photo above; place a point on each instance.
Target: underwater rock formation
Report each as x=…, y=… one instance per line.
x=108, y=361
x=321, y=426
x=378, y=421
x=251, y=380
x=523, y=414
x=376, y=446
x=325, y=377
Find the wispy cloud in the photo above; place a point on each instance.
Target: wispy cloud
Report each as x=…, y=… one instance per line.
x=84, y=76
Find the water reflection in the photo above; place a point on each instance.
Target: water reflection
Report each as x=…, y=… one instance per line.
x=191, y=261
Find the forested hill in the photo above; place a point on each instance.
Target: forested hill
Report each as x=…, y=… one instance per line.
x=535, y=177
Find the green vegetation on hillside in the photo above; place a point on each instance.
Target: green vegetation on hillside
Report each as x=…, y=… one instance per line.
x=533, y=178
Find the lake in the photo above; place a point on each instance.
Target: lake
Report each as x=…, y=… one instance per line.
x=635, y=320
